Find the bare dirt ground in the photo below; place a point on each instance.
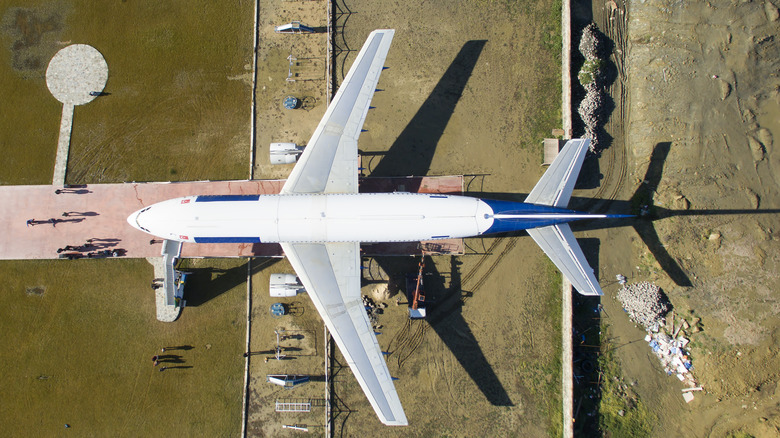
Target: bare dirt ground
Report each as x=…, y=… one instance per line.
x=289, y=65
x=461, y=96
x=702, y=84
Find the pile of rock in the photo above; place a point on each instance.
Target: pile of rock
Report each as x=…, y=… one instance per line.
x=591, y=108
x=644, y=302
x=591, y=42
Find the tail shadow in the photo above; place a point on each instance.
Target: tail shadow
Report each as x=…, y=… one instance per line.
x=642, y=201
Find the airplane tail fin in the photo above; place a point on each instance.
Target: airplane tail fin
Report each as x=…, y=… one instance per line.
x=556, y=185
x=557, y=241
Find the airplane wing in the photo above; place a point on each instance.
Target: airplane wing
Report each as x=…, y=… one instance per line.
x=330, y=272
x=558, y=242
x=556, y=185
x=329, y=164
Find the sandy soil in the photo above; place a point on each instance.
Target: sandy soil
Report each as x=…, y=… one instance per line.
x=702, y=83
x=455, y=100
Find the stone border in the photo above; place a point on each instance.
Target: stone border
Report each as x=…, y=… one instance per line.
x=567, y=372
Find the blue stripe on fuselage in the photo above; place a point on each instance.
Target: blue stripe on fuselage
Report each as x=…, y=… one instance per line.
x=516, y=224
x=218, y=198
x=227, y=240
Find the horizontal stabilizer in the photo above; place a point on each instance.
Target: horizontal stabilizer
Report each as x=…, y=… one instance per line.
x=558, y=242
x=557, y=184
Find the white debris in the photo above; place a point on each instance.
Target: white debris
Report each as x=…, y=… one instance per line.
x=646, y=305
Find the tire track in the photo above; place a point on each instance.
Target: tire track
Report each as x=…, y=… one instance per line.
x=482, y=260
x=407, y=340
x=509, y=246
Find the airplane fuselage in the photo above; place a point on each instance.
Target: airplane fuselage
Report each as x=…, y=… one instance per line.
x=364, y=217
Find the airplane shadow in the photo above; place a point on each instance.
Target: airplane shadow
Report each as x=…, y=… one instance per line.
x=446, y=318
x=412, y=152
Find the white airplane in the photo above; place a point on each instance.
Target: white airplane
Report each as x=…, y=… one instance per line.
x=320, y=219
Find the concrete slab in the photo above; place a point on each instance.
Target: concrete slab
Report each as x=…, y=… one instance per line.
x=76, y=75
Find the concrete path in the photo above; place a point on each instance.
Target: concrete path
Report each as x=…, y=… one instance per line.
x=165, y=313
x=100, y=212
x=63, y=145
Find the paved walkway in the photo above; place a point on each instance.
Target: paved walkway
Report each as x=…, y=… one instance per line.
x=63, y=145
x=100, y=212
x=165, y=313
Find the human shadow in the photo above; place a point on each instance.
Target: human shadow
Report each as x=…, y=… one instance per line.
x=80, y=213
x=179, y=347
x=412, y=152
x=205, y=284
x=170, y=358
x=259, y=352
x=72, y=190
x=61, y=221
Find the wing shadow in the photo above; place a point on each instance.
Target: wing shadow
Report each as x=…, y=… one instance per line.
x=206, y=284
x=446, y=319
x=642, y=202
x=412, y=152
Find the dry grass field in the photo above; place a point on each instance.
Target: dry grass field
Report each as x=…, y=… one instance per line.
x=78, y=337
x=178, y=91
x=77, y=346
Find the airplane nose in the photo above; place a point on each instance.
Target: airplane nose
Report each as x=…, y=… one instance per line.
x=133, y=220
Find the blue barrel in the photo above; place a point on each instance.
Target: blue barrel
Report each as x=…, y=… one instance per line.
x=290, y=102
x=277, y=309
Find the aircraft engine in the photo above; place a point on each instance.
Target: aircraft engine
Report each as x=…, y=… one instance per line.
x=285, y=285
x=285, y=153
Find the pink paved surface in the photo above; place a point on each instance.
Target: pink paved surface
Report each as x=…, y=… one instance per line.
x=104, y=209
